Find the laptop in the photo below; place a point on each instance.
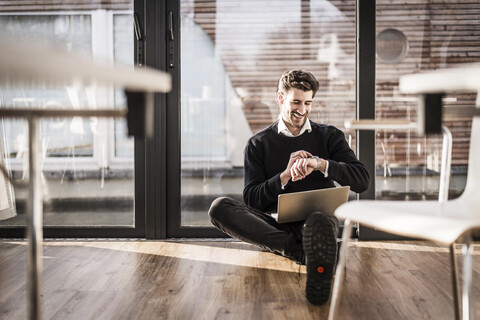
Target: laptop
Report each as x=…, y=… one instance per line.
x=298, y=206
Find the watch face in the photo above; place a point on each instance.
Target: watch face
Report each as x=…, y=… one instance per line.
x=319, y=162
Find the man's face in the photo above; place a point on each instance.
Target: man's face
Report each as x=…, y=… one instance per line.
x=295, y=106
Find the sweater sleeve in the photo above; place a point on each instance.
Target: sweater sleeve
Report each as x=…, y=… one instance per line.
x=260, y=192
x=344, y=167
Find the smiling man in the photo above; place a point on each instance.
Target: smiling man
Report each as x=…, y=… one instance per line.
x=293, y=154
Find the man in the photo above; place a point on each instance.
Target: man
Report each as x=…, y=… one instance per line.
x=293, y=154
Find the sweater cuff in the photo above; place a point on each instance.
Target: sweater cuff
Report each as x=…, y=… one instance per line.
x=275, y=184
x=334, y=170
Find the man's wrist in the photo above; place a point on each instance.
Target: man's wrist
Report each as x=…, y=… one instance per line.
x=284, y=178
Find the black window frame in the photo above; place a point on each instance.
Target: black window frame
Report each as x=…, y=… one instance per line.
x=157, y=161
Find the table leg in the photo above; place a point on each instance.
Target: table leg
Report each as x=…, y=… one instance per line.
x=34, y=221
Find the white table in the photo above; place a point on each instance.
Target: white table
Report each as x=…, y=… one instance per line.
x=41, y=66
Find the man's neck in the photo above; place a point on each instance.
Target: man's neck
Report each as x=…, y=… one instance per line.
x=293, y=130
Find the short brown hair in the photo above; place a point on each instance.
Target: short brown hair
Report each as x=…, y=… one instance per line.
x=299, y=79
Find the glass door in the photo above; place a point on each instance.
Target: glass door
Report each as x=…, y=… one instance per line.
x=232, y=54
x=410, y=38
x=87, y=163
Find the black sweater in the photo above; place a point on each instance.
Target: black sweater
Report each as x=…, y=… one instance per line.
x=267, y=154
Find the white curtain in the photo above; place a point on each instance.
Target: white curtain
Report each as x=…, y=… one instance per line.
x=7, y=203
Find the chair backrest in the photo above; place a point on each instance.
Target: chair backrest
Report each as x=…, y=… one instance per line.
x=473, y=178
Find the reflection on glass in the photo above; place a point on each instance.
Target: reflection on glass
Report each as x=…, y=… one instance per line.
x=122, y=53
x=233, y=54
x=413, y=37
x=87, y=162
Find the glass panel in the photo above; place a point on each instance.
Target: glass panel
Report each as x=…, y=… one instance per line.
x=413, y=37
x=87, y=162
x=74, y=33
x=123, y=53
x=233, y=54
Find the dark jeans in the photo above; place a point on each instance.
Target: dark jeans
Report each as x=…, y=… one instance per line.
x=256, y=227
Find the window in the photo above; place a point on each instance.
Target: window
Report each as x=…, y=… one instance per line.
x=233, y=54
x=88, y=162
x=412, y=37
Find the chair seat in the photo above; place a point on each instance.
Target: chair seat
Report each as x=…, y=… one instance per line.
x=442, y=222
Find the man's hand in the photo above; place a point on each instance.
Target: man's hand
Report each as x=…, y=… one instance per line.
x=294, y=157
x=302, y=168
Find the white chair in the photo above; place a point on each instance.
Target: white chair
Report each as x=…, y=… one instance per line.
x=444, y=222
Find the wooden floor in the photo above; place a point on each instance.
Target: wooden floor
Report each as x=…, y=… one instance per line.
x=224, y=280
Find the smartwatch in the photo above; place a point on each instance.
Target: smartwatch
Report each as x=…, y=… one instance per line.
x=319, y=162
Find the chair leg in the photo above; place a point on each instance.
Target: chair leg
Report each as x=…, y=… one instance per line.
x=454, y=270
x=446, y=165
x=340, y=272
x=468, y=309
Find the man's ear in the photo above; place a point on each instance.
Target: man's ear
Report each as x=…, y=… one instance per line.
x=280, y=98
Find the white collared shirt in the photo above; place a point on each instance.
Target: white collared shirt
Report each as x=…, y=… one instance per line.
x=282, y=129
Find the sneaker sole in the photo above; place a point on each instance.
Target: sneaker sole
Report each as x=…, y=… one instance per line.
x=320, y=246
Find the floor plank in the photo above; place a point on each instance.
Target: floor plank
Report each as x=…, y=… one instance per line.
x=224, y=280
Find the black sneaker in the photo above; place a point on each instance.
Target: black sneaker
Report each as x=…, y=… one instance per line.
x=320, y=247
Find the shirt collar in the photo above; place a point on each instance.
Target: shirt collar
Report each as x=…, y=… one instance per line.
x=282, y=127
